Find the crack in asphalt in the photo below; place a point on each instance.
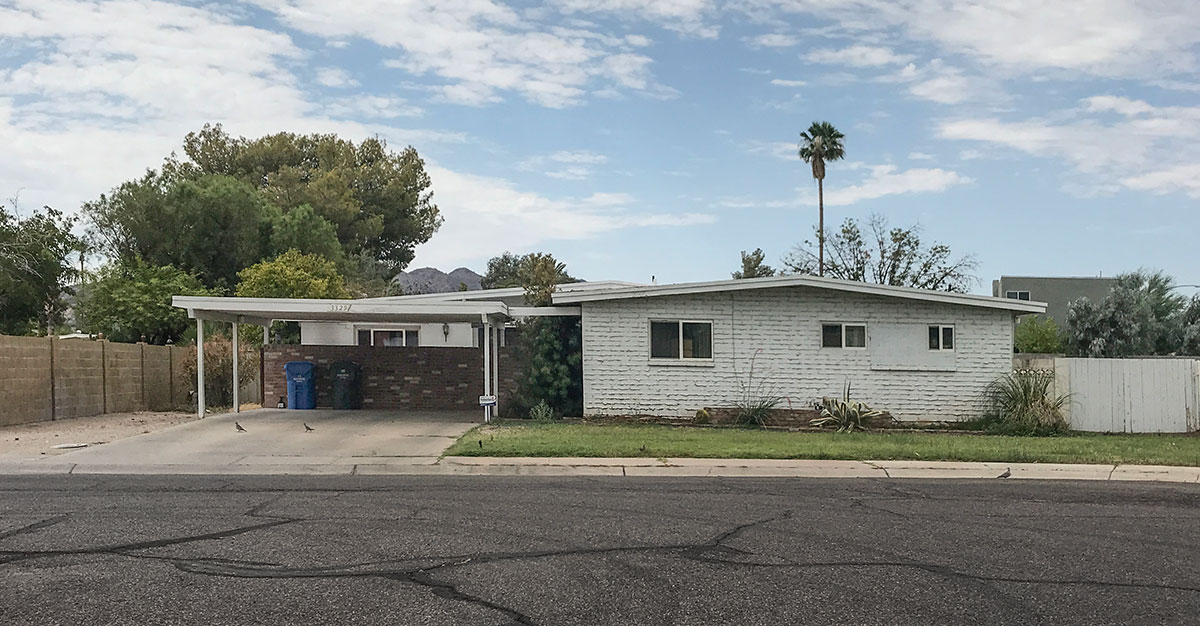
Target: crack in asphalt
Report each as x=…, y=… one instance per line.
x=46, y=523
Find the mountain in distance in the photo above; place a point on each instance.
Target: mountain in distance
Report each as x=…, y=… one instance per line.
x=433, y=280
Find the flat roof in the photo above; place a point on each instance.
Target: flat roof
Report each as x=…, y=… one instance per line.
x=743, y=284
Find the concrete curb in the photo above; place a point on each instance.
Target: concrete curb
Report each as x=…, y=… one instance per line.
x=532, y=466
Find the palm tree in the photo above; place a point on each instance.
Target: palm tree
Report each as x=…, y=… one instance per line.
x=820, y=143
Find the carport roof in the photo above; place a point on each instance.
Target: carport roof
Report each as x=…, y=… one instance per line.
x=264, y=310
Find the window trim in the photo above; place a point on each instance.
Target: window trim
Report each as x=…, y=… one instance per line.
x=942, y=337
x=1016, y=294
x=372, y=330
x=842, y=325
x=679, y=329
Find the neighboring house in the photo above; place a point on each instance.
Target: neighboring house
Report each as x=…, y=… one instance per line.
x=665, y=349
x=1058, y=292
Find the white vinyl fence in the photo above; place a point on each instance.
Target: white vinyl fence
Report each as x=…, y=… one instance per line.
x=1127, y=395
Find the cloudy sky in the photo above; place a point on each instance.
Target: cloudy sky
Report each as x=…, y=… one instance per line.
x=634, y=137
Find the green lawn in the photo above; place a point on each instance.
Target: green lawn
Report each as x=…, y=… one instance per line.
x=589, y=440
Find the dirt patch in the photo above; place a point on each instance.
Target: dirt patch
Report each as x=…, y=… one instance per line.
x=39, y=438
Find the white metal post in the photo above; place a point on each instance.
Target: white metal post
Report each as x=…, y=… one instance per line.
x=496, y=368
x=237, y=404
x=200, y=367
x=487, y=367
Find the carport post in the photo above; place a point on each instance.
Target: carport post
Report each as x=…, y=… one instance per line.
x=237, y=405
x=200, y=366
x=487, y=366
x=496, y=367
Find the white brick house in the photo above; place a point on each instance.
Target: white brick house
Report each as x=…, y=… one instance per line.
x=673, y=349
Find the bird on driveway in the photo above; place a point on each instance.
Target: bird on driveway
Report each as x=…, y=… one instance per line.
x=1006, y=474
x=239, y=427
x=308, y=429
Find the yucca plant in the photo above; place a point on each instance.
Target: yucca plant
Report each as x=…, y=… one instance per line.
x=541, y=412
x=1022, y=403
x=756, y=403
x=844, y=414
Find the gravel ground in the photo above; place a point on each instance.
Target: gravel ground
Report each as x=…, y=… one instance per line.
x=39, y=438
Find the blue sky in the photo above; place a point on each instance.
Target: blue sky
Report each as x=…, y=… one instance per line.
x=633, y=138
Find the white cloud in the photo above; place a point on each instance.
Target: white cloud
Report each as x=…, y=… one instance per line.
x=1112, y=38
x=1146, y=148
x=683, y=16
x=920, y=156
x=886, y=180
x=776, y=40
x=781, y=82
x=857, y=56
x=1185, y=178
x=373, y=107
x=490, y=215
x=480, y=49
x=944, y=84
x=565, y=164
x=335, y=77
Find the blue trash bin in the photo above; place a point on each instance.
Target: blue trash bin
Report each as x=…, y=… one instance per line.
x=301, y=385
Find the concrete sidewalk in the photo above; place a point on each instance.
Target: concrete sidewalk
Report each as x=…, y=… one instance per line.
x=525, y=466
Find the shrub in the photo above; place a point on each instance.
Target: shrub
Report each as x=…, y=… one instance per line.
x=541, y=412
x=844, y=414
x=218, y=371
x=1022, y=403
x=702, y=417
x=1038, y=336
x=754, y=407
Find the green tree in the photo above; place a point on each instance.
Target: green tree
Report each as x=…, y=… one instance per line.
x=1141, y=315
x=302, y=229
x=378, y=200
x=552, y=345
x=820, y=144
x=292, y=275
x=36, y=270
x=513, y=270
x=213, y=226
x=753, y=266
x=1038, y=336
x=887, y=256
x=127, y=301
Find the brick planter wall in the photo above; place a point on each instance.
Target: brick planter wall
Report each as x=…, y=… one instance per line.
x=396, y=378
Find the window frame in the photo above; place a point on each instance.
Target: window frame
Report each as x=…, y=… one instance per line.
x=1016, y=294
x=679, y=338
x=415, y=332
x=842, y=326
x=942, y=337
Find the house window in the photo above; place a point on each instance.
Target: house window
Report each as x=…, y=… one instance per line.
x=941, y=337
x=843, y=335
x=1016, y=295
x=364, y=337
x=678, y=339
x=393, y=338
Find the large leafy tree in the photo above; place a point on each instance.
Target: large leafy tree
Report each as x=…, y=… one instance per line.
x=36, y=270
x=1141, y=315
x=514, y=270
x=753, y=266
x=888, y=256
x=228, y=203
x=129, y=301
x=1038, y=336
x=820, y=144
x=292, y=275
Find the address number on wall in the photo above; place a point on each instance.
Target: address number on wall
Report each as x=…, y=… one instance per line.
x=341, y=308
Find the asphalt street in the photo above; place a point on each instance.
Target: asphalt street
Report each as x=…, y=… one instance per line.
x=342, y=550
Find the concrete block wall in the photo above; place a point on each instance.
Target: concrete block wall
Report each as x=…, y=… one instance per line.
x=78, y=378
x=44, y=378
x=397, y=378
x=25, y=385
x=785, y=324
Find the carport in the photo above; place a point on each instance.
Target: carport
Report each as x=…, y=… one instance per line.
x=489, y=314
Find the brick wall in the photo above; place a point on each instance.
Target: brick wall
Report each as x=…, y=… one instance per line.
x=397, y=378
x=895, y=372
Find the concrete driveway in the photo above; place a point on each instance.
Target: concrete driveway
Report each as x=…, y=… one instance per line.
x=275, y=442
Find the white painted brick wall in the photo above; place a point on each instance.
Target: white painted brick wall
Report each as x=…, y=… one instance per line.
x=618, y=377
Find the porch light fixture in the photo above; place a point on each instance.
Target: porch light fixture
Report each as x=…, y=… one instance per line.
x=446, y=331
